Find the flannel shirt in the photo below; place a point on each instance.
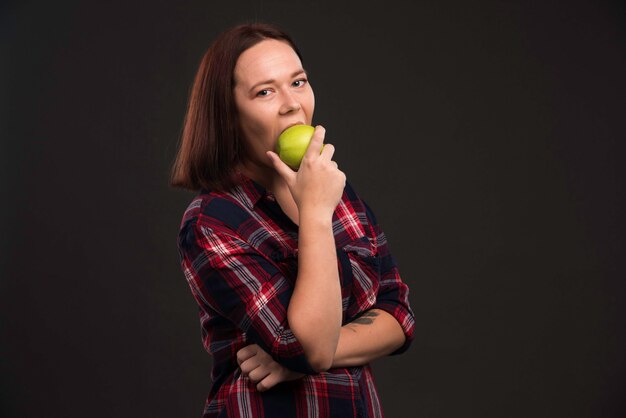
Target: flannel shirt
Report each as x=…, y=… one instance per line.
x=238, y=252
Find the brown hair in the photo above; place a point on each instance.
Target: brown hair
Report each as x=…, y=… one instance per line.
x=211, y=144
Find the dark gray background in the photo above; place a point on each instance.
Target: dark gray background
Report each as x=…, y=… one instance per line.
x=487, y=136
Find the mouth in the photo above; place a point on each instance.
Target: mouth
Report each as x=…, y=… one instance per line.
x=292, y=124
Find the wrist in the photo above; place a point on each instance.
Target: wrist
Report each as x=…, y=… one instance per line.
x=316, y=216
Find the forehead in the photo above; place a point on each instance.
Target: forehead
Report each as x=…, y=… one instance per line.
x=269, y=59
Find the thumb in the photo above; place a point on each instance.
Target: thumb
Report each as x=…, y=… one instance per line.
x=283, y=169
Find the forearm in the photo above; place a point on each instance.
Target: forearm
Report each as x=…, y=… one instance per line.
x=315, y=310
x=372, y=335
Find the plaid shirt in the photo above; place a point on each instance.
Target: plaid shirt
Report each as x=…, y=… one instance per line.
x=239, y=255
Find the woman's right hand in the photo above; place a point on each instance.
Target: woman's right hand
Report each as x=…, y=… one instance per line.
x=257, y=365
x=318, y=184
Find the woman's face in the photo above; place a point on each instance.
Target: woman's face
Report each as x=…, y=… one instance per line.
x=271, y=92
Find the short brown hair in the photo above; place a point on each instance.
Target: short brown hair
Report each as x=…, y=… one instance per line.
x=211, y=144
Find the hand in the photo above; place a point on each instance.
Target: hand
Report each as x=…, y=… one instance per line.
x=261, y=368
x=318, y=184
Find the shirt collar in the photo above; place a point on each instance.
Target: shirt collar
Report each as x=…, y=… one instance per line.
x=248, y=191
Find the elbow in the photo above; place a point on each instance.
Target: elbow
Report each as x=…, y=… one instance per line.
x=401, y=337
x=321, y=362
x=320, y=356
x=319, y=348
x=399, y=343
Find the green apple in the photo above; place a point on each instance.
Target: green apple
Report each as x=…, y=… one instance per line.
x=292, y=144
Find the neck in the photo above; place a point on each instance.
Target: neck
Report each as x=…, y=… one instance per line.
x=266, y=176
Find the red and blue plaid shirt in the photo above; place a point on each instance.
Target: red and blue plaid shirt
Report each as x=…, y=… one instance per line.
x=239, y=254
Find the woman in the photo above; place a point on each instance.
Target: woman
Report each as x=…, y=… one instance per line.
x=296, y=288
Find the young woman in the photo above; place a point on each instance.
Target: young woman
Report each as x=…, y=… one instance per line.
x=296, y=288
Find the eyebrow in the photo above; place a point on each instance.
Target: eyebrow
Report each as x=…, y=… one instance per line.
x=302, y=71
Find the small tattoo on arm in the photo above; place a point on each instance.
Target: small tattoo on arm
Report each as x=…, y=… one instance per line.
x=366, y=318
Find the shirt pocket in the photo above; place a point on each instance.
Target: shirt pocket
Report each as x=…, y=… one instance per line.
x=360, y=275
x=286, y=260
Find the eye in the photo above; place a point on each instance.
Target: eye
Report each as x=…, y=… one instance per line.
x=302, y=82
x=263, y=93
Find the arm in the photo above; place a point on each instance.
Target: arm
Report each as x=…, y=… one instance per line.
x=372, y=335
x=387, y=328
x=230, y=278
x=314, y=312
x=315, y=309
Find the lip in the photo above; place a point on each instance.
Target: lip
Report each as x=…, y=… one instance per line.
x=292, y=124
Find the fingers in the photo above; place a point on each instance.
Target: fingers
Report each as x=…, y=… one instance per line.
x=269, y=382
x=327, y=151
x=317, y=146
x=259, y=373
x=246, y=353
x=283, y=169
x=254, y=362
x=249, y=366
x=317, y=142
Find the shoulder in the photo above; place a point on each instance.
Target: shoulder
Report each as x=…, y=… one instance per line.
x=218, y=210
x=360, y=205
x=210, y=222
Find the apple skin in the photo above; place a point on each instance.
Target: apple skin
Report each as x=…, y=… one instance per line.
x=292, y=144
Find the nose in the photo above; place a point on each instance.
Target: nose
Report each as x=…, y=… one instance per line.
x=290, y=103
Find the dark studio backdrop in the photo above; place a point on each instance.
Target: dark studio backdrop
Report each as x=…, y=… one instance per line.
x=488, y=137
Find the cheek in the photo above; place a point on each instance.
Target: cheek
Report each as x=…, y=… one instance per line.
x=250, y=117
x=252, y=122
x=258, y=130
x=310, y=103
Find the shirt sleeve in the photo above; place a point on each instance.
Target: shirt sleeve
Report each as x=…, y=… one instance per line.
x=232, y=279
x=393, y=293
